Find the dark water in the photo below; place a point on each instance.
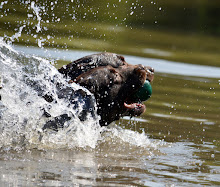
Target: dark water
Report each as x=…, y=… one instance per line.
x=176, y=142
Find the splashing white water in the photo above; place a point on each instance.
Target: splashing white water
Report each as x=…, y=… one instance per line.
x=25, y=79
x=36, y=11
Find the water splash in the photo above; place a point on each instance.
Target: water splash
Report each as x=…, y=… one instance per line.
x=36, y=11
x=24, y=80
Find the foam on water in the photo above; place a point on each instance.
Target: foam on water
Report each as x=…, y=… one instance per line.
x=24, y=80
x=134, y=138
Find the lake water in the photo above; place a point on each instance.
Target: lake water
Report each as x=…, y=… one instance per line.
x=176, y=142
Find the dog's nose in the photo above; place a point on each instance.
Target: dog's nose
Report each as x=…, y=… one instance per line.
x=150, y=73
x=150, y=69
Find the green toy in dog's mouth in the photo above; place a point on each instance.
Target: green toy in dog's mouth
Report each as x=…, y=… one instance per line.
x=134, y=105
x=145, y=92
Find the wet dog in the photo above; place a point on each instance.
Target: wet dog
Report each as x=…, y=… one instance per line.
x=113, y=82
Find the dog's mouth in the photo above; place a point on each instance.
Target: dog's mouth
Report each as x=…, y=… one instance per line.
x=135, y=109
x=133, y=104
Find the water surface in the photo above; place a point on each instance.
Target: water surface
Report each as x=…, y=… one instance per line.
x=175, y=142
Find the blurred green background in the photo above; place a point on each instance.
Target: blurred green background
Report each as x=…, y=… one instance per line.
x=186, y=31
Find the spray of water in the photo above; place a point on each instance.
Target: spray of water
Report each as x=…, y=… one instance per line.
x=24, y=80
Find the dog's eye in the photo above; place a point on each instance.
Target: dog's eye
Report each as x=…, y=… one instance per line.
x=113, y=71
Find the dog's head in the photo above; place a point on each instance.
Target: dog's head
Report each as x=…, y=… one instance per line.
x=113, y=82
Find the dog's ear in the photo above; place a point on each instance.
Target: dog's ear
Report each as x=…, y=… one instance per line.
x=87, y=63
x=77, y=67
x=99, y=79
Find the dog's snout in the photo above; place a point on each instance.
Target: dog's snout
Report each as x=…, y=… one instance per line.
x=150, y=69
x=150, y=73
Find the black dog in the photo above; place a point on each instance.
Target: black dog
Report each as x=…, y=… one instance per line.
x=112, y=81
